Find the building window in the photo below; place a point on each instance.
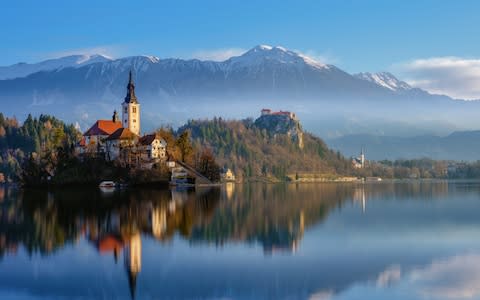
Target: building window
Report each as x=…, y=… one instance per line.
x=134, y=121
x=126, y=110
x=134, y=109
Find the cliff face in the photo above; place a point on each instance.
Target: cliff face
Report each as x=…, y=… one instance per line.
x=282, y=124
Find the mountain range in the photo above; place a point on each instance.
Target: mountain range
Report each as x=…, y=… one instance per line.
x=329, y=101
x=459, y=145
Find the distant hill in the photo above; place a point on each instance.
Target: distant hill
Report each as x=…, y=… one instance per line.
x=252, y=151
x=330, y=101
x=461, y=145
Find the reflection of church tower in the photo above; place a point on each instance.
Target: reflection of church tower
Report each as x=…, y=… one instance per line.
x=302, y=223
x=133, y=261
x=229, y=189
x=363, y=201
x=131, y=108
x=359, y=196
x=159, y=221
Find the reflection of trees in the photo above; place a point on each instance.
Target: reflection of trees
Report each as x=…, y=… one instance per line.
x=37, y=230
x=415, y=190
x=44, y=221
x=273, y=215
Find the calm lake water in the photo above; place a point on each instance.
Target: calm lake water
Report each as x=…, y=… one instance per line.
x=418, y=240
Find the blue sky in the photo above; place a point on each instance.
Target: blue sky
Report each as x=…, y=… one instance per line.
x=354, y=35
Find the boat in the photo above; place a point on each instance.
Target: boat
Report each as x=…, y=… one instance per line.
x=107, y=184
x=180, y=178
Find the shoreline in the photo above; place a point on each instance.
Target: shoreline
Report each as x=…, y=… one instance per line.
x=166, y=184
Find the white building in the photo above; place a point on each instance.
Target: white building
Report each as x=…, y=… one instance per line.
x=121, y=144
x=152, y=147
x=269, y=112
x=359, y=162
x=227, y=175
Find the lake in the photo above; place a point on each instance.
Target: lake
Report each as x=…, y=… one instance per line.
x=404, y=240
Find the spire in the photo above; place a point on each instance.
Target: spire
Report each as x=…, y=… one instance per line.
x=115, y=117
x=130, y=98
x=132, y=284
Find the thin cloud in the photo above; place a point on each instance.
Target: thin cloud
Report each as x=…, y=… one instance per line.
x=324, y=58
x=111, y=51
x=389, y=276
x=453, y=278
x=217, y=54
x=453, y=76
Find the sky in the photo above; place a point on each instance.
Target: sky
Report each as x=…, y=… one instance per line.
x=426, y=42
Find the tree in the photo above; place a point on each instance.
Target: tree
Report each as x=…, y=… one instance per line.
x=207, y=165
x=184, y=145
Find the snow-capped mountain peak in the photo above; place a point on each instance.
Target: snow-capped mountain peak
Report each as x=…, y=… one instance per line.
x=153, y=59
x=262, y=48
x=384, y=79
x=261, y=53
x=75, y=61
x=82, y=60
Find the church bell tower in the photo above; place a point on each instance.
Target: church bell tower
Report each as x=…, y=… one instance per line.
x=131, y=108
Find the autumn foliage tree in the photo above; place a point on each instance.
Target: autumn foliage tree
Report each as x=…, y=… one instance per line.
x=208, y=166
x=185, y=147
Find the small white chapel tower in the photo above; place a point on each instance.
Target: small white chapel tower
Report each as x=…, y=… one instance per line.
x=362, y=158
x=131, y=109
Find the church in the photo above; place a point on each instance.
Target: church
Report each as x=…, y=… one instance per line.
x=120, y=140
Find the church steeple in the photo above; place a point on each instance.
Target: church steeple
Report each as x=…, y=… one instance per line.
x=131, y=108
x=115, y=117
x=130, y=98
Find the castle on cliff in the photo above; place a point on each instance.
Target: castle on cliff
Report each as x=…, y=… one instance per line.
x=281, y=122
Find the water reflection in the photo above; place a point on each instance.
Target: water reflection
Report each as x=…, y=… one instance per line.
x=274, y=216
x=345, y=241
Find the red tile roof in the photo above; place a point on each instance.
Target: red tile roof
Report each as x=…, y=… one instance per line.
x=103, y=127
x=122, y=134
x=281, y=113
x=109, y=244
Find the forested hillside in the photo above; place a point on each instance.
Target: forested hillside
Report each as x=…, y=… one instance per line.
x=18, y=141
x=253, y=152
